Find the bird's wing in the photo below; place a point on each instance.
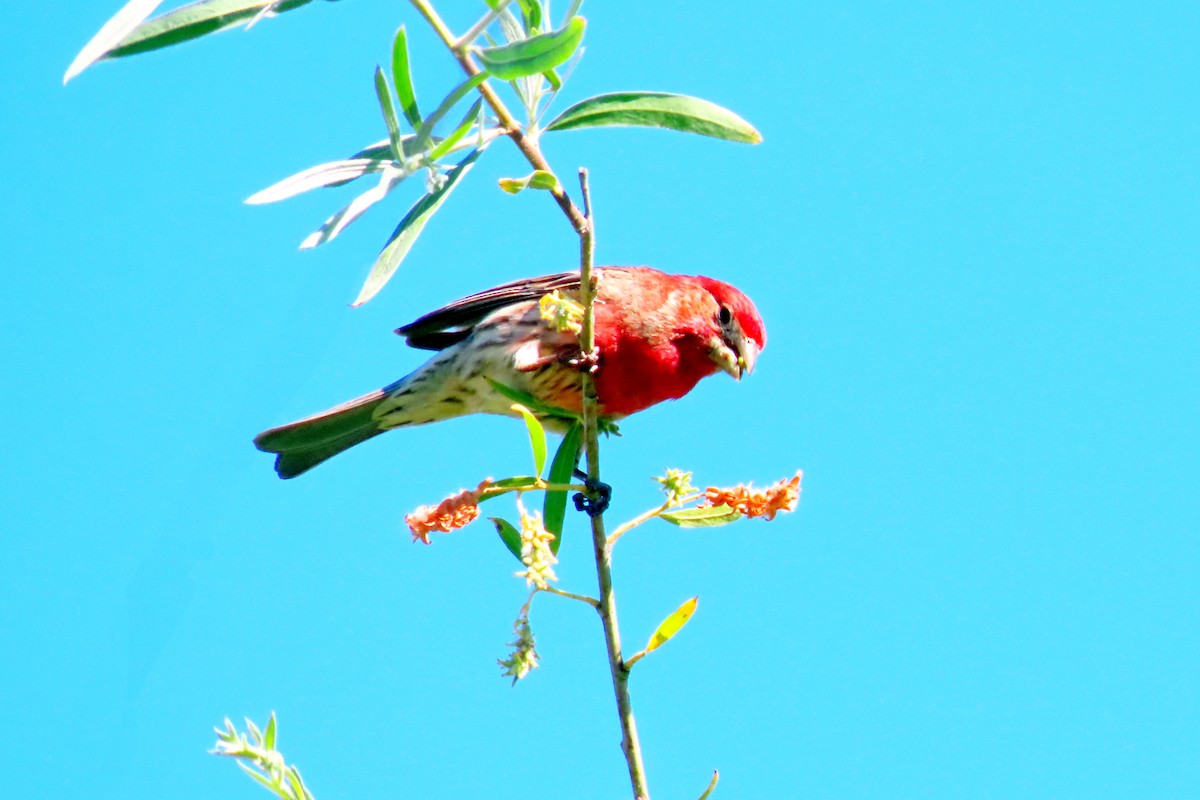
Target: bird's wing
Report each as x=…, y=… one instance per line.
x=452, y=323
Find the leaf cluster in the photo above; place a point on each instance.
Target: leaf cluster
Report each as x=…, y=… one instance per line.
x=522, y=49
x=258, y=758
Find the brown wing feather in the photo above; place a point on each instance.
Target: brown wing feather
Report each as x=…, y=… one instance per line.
x=452, y=323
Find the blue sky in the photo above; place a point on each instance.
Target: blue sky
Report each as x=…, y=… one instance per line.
x=973, y=233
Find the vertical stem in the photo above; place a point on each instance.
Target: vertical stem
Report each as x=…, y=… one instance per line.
x=601, y=547
x=581, y=221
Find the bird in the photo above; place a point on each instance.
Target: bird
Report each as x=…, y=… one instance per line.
x=657, y=335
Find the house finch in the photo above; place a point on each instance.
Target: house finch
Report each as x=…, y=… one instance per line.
x=657, y=335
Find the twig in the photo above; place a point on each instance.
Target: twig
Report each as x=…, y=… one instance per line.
x=651, y=514
x=528, y=147
x=479, y=27
x=591, y=601
x=638, y=520
x=581, y=221
x=600, y=544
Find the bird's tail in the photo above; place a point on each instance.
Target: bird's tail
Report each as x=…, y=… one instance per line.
x=303, y=444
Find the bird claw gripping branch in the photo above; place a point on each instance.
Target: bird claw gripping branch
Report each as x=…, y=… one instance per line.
x=595, y=501
x=586, y=362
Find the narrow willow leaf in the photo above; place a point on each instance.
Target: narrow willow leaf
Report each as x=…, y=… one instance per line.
x=297, y=780
x=381, y=150
x=711, y=785
x=509, y=535
x=537, y=437
x=195, y=20
x=531, y=10
x=384, y=93
x=406, y=233
x=258, y=776
x=657, y=110
x=269, y=733
x=426, y=131
x=531, y=402
x=672, y=624
x=534, y=55
x=298, y=789
x=707, y=517
x=333, y=173
x=403, y=79
x=562, y=469
x=390, y=179
x=517, y=482
x=473, y=138
x=538, y=179
x=458, y=133
x=123, y=23
x=508, y=23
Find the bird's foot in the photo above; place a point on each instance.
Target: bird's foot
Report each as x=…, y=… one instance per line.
x=586, y=362
x=596, y=499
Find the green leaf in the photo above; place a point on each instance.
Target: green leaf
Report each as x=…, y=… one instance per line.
x=382, y=150
x=537, y=437
x=255, y=734
x=123, y=23
x=357, y=207
x=298, y=790
x=534, y=55
x=269, y=733
x=458, y=133
x=711, y=785
x=384, y=93
x=516, y=482
x=258, y=776
x=707, y=517
x=562, y=469
x=406, y=233
x=509, y=535
x=426, y=131
x=531, y=10
x=657, y=110
x=194, y=20
x=402, y=77
x=532, y=403
x=538, y=179
x=333, y=173
x=297, y=780
x=672, y=624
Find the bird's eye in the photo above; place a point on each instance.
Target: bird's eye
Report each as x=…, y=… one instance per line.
x=725, y=316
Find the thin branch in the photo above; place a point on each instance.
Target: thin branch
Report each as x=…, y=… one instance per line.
x=638, y=520
x=591, y=601
x=636, y=657
x=600, y=545
x=528, y=147
x=651, y=514
x=479, y=27
x=581, y=221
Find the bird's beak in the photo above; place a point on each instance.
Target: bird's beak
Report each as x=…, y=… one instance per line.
x=739, y=362
x=747, y=357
